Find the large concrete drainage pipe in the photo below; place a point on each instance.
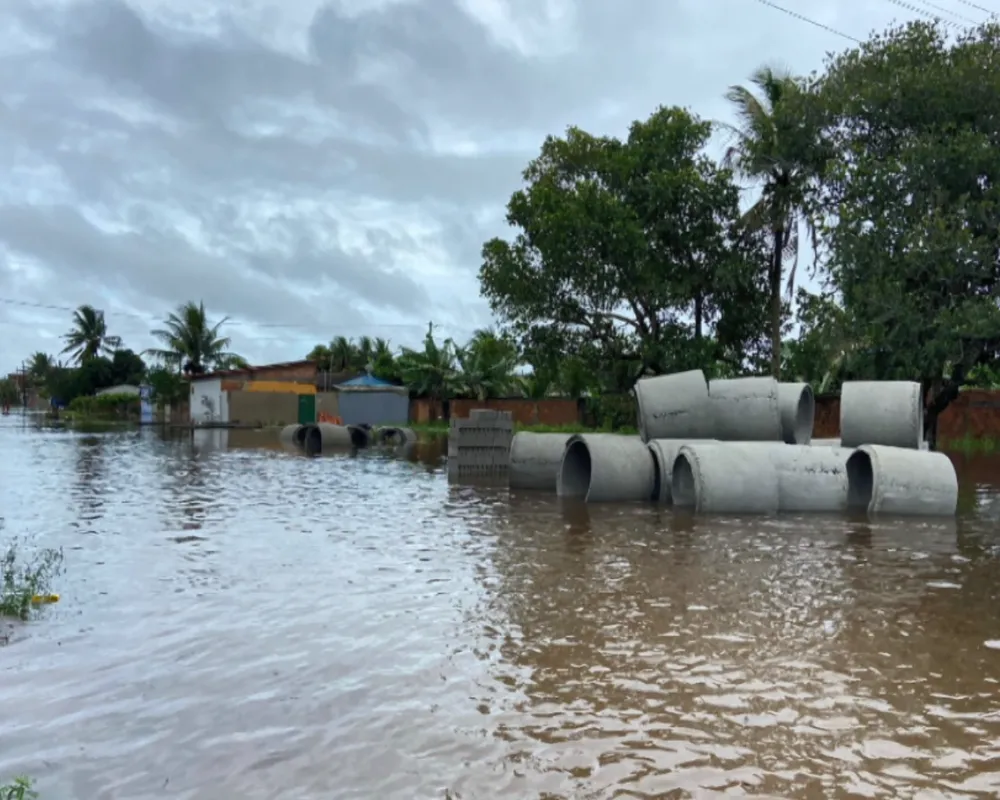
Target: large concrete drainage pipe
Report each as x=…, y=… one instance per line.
x=292, y=435
x=673, y=406
x=395, y=436
x=810, y=478
x=889, y=413
x=896, y=480
x=605, y=467
x=664, y=453
x=797, y=409
x=717, y=478
x=323, y=437
x=745, y=409
x=361, y=436
x=535, y=460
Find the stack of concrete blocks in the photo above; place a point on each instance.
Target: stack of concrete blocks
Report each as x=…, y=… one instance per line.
x=479, y=447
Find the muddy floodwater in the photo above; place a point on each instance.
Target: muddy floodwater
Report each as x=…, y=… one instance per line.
x=238, y=622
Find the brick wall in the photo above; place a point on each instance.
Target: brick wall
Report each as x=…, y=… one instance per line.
x=553, y=411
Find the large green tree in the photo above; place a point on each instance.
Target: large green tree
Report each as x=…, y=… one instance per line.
x=764, y=154
x=909, y=146
x=88, y=337
x=190, y=342
x=627, y=253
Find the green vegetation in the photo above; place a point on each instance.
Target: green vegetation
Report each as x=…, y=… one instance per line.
x=441, y=428
x=18, y=789
x=21, y=582
x=111, y=406
x=971, y=445
x=191, y=344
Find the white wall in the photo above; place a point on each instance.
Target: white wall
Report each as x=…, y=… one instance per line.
x=208, y=402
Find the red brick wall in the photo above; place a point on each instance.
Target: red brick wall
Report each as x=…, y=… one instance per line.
x=553, y=411
x=298, y=373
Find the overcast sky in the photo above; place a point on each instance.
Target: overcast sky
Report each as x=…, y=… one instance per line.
x=318, y=169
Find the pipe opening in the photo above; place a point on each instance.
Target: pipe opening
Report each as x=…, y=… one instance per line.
x=682, y=483
x=299, y=437
x=805, y=414
x=657, y=475
x=359, y=436
x=312, y=440
x=575, y=471
x=860, y=480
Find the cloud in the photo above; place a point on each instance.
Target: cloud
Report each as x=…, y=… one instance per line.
x=319, y=169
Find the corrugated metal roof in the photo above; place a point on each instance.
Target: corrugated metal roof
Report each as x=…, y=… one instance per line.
x=367, y=380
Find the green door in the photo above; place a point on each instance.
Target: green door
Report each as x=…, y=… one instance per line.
x=307, y=409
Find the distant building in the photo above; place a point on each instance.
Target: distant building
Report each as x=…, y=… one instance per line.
x=123, y=388
x=269, y=394
x=372, y=401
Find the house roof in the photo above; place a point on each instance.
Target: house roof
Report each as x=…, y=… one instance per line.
x=366, y=380
x=232, y=373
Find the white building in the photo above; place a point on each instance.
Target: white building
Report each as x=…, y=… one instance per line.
x=209, y=404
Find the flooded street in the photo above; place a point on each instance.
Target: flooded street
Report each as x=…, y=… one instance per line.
x=238, y=622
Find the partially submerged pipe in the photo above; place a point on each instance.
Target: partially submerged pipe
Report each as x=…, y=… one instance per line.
x=797, y=411
x=896, y=480
x=535, y=460
x=664, y=452
x=745, y=409
x=673, y=406
x=811, y=478
x=606, y=468
x=292, y=435
x=360, y=436
x=720, y=478
x=323, y=437
x=889, y=413
x=393, y=436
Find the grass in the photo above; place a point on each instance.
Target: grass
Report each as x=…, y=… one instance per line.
x=442, y=428
x=18, y=789
x=971, y=445
x=22, y=582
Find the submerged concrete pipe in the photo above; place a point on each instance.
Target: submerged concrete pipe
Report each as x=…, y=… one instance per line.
x=664, y=453
x=535, y=460
x=797, y=410
x=811, y=478
x=360, y=436
x=323, y=437
x=889, y=413
x=745, y=409
x=394, y=436
x=720, y=478
x=897, y=480
x=606, y=468
x=292, y=435
x=673, y=406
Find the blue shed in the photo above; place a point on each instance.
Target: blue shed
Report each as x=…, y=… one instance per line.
x=372, y=401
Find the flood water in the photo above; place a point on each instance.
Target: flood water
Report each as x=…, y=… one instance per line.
x=238, y=622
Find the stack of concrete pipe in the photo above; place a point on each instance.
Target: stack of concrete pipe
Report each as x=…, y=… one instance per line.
x=327, y=438
x=744, y=446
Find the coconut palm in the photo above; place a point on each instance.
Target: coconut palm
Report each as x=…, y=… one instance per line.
x=762, y=154
x=40, y=365
x=487, y=366
x=88, y=338
x=190, y=342
x=431, y=372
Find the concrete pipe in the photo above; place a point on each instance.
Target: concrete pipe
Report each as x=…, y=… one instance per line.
x=664, y=453
x=745, y=409
x=673, y=406
x=810, y=478
x=889, y=413
x=897, y=480
x=719, y=478
x=323, y=437
x=396, y=437
x=361, y=436
x=292, y=435
x=606, y=467
x=797, y=410
x=535, y=460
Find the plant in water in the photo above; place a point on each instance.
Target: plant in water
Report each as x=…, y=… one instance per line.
x=18, y=789
x=23, y=584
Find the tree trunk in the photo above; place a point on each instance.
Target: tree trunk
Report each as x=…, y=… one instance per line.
x=774, y=286
x=699, y=315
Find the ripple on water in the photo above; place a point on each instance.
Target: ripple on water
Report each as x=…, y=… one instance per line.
x=248, y=623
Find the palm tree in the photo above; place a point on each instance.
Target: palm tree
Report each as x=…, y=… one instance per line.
x=761, y=154
x=430, y=372
x=343, y=354
x=88, y=338
x=487, y=365
x=189, y=342
x=40, y=365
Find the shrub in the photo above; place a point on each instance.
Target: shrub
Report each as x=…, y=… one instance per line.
x=18, y=789
x=106, y=405
x=21, y=583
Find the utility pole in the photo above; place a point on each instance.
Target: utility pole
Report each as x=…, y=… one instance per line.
x=24, y=389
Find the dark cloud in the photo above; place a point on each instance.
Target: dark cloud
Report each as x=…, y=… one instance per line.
x=313, y=183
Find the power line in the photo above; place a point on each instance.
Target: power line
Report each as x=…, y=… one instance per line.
x=977, y=7
x=925, y=12
x=802, y=18
x=944, y=10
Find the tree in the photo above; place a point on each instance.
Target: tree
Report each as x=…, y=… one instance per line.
x=764, y=153
x=487, y=366
x=127, y=368
x=623, y=250
x=910, y=201
x=431, y=372
x=168, y=386
x=232, y=361
x=9, y=393
x=88, y=338
x=190, y=342
x=39, y=366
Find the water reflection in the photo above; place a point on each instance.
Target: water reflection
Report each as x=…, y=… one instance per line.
x=250, y=623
